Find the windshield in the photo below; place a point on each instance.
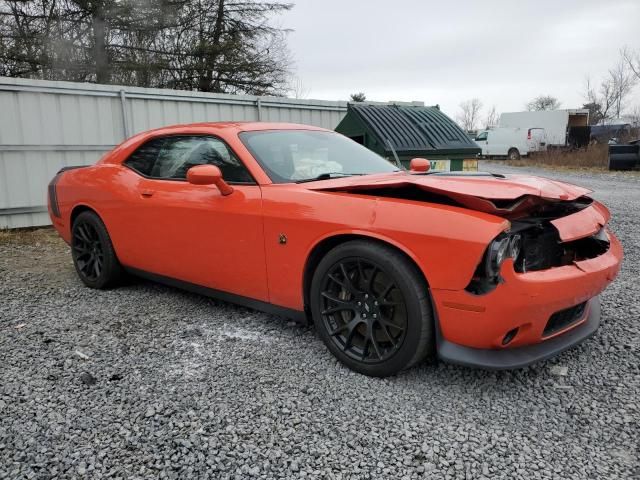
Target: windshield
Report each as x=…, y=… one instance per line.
x=297, y=155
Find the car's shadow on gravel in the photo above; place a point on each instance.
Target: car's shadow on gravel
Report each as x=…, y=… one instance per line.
x=241, y=325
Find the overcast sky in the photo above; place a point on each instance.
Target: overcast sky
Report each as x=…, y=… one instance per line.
x=504, y=52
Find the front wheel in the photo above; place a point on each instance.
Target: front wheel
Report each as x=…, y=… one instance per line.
x=371, y=308
x=92, y=252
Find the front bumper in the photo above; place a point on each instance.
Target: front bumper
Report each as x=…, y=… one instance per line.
x=472, y=328
x=510, y=358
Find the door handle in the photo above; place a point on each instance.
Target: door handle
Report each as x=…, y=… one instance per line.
x=147, y=193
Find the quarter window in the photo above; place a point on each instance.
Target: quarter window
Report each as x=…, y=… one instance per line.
x=171, y=157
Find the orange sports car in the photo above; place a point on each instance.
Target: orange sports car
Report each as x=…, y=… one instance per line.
x=391, y=266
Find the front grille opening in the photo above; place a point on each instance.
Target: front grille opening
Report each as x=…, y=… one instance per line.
x=586, y=248
x=564, y=318
x=542, y=248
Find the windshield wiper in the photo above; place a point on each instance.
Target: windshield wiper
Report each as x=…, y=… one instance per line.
x=327, y=176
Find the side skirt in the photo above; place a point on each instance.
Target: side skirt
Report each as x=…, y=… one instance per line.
x=295, y=315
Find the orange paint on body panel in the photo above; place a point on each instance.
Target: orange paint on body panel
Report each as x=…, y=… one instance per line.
x=234, y=242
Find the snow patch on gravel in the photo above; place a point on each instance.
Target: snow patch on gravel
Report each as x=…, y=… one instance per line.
x=245, y=334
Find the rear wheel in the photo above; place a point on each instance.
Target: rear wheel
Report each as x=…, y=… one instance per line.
x=513, y=154
x=92, y=252
x=371, y=308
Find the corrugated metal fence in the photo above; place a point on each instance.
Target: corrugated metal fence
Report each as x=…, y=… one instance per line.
x=47, y=125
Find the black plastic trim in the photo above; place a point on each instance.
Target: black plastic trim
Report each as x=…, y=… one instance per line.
x=53, y=190
x=564, y=319
x=296, y=315
x=53, y=195
x=73, y=167
x=519, y=357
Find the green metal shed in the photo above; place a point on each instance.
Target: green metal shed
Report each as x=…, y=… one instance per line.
x=413, y=131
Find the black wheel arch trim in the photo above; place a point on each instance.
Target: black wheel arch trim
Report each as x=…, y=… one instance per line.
x=78, y=209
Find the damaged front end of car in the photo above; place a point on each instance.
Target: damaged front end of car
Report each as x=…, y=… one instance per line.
x=551, y=234
x=535, y=288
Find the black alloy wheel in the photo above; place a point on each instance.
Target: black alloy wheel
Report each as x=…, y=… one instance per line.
x=363, y=310
x=92, y=252
x=371, y=308
x=88, y=251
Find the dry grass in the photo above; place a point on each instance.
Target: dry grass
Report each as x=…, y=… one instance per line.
x=594, y=157
x=29, y=236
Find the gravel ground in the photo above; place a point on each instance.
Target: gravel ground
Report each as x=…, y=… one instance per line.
x=150, y=382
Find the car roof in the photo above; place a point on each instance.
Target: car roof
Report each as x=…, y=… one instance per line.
x=201, y=128
x=245, y=126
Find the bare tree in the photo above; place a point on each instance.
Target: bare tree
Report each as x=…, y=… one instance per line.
x=633, y=116
x=543, y=102
x=595, y=112
x=358, y=97
x=77, y=40
x=608, y=100
x=491, y=120
x=228, y=46
x=298, y=89
x=632, y=58
x=469, y=114
x=207, y=45
x=622, y=80
x=600, y=100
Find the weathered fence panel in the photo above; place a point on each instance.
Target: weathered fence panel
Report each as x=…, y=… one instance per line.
x=47, y=125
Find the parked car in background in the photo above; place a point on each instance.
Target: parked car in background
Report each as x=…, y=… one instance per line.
x=511, y=142
x=563, y=128
x=391, y=266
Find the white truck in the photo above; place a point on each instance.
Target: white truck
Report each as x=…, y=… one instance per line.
x=557, y=124
x=511, y=142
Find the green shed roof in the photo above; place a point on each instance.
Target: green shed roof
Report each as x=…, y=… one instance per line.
x=413, y=128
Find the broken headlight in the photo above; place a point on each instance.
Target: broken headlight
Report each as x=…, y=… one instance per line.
x=503, y=247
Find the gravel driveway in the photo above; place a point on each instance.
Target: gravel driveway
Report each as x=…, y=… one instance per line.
x=150, y=382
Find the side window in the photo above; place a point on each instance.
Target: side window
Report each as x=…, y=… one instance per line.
x=172, y=157
x=144, y=158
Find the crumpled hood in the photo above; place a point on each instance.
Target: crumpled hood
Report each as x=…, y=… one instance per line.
x=482, y=192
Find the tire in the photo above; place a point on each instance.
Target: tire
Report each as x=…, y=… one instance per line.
x=513, y=154
x=372, y=308
x=92, y=252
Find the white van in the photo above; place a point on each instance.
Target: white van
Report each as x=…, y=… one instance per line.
x=557, y=124
x=511, y=142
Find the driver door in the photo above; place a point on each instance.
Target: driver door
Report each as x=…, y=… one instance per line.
x=482, y=141
x=191, y=232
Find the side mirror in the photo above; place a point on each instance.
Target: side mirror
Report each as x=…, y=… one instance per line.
x=419, y=165
x=208, y=175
